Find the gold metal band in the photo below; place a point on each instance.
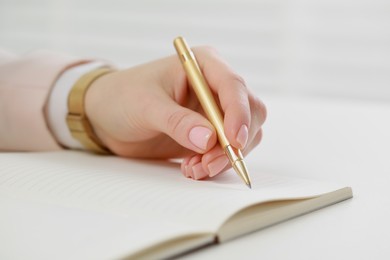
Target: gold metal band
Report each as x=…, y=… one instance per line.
x=77, y=121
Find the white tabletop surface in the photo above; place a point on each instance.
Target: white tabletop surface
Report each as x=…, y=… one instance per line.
x=332, y=140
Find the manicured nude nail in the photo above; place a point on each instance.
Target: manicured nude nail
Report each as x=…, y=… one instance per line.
x=242, y=136
x=193, y=161
x=189, y=172
x=200, y=136
x=186, y=171
x=198, y=171
x=217, y=165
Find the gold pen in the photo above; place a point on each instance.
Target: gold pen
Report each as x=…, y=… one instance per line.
x=206, y=99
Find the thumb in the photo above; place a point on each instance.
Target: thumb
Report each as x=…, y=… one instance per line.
x=187, y=127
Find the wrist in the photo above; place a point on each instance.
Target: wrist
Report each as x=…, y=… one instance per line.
x=95, y=106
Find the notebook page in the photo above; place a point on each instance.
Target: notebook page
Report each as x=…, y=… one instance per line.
x=141, y=188
x=45, y=231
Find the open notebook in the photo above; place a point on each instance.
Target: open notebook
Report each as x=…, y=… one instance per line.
x=74, y=205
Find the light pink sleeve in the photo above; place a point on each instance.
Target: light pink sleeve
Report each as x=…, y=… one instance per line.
x=25, y=84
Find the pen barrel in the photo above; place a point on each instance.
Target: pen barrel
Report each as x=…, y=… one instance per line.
x=201, y=88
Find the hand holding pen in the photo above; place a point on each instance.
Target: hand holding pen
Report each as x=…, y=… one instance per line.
x=150, y=111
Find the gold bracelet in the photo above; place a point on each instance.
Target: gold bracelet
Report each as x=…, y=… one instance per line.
x=76, y=119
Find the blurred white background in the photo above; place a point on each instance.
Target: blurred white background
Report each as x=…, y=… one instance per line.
x=336, y=48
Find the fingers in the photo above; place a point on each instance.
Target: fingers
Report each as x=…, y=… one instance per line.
x=202, y=166
x=232, y=95
x=190, y=168
x=215, y=161
x=188, y=128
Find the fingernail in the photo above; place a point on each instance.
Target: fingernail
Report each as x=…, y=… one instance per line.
x=217, y=165
x=189, y=172
x=198, y=171
x=200, y=136
x=242, y=136
x=193, y=161
x=186, y=171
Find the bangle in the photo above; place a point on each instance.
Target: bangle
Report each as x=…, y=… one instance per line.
x=76, y=119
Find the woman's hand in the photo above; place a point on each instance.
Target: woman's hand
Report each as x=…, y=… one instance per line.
x=150, y=111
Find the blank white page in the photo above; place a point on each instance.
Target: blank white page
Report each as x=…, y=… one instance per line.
x=141, y=188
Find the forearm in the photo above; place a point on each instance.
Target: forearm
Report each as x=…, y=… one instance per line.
x=25, y=84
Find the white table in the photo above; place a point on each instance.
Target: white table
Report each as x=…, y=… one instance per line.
x=325, y=139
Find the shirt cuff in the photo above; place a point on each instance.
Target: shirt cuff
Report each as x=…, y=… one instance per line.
x=58, y=103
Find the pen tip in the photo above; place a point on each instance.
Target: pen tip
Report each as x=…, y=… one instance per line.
x=240, y=167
